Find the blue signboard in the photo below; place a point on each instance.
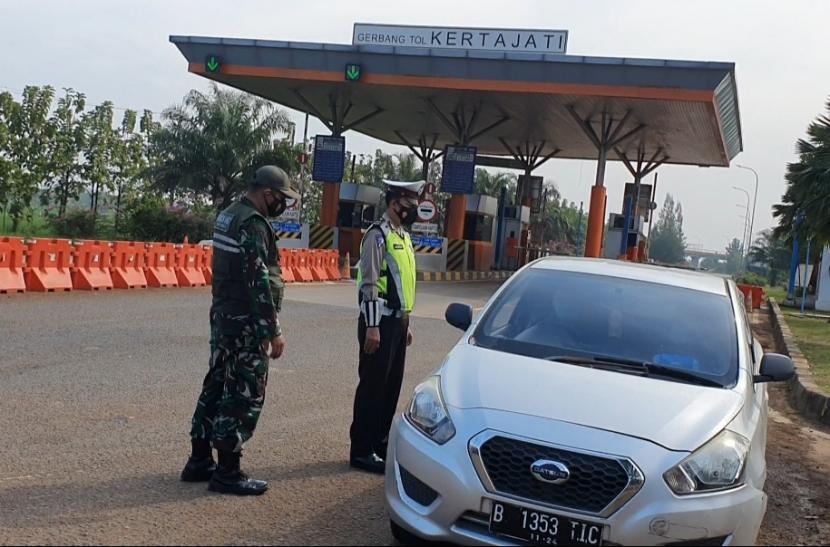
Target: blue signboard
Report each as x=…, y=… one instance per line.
x=459, y=171
x=279, y=226
x=426, y=241
x=329, y=158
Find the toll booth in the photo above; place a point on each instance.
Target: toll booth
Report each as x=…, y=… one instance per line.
x=360, y=206
x=516, y=223
x=614, y=246
x=480, y=230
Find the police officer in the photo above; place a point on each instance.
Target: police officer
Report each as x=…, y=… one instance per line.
x=245, y=331
x=386, y=294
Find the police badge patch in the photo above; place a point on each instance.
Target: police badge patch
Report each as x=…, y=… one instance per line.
x=223, y=222
x=379, y=240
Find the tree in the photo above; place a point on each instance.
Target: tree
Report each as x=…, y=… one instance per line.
x=7, y=166
x=491, y=184
x=212, y=144
x=734, y=257
x=67, y=146
x=30, y=135
x=127, y=160
x=99, y=149
x=668, y=243
x=808, y=185
x=774, y=253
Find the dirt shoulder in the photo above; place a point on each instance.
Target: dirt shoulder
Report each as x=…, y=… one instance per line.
x=798, y=456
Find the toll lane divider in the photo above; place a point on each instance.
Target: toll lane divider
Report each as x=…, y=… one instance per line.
x=49, y=265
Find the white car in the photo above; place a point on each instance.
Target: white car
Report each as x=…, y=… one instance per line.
x=592, y=403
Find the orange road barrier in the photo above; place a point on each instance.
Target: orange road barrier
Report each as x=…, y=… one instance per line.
x=48, y=268
x=160, y=266
x=302, y=270
x=318, y=267
x=12, y=259
x=127, y=269
x=207, y=263
x=331, y=260
x=286, y=264
x=754, y=296
x=189, y=264
x=92, y=266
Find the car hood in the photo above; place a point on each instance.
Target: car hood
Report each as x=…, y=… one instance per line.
x=674, y=415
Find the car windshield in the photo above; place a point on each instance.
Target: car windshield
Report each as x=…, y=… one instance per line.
x=548, y=314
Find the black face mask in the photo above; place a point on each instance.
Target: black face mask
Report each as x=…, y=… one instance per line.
x=276, y=208
x=408, y=215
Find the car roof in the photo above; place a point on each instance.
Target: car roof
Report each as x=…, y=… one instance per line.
x=662, y=275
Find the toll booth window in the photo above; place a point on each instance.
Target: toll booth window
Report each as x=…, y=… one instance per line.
x=349, y=215
x=478, y=228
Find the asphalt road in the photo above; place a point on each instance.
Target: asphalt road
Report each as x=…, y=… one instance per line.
x=97, y=390
x=96, y=393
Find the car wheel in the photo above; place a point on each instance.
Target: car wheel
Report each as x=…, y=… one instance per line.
x=402, y=536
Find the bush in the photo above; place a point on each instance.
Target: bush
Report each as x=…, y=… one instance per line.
x=750, y=278
x=79, y=224
x=150, y=219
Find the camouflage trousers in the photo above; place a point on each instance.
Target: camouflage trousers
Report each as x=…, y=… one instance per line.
x=233, y=392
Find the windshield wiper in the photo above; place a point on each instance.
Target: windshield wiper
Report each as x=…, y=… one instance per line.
x=643, y=367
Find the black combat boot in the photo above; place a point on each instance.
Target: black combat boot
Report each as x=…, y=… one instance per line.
x=229, y=478
x=200, y=466
x=371, y=464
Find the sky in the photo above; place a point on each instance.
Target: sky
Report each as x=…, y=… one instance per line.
x=119, y=50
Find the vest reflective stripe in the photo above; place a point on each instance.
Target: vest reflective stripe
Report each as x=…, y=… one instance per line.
x=399, y=262
x=225, y=239
x=223, y=247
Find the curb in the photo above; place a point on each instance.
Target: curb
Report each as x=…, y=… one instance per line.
x=805, y=395
x=464, y=276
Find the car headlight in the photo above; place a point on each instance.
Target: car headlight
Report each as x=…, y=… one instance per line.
x=428, y=413
x=718, y=465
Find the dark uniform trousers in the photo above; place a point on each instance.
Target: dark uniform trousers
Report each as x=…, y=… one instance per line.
x=381, y=378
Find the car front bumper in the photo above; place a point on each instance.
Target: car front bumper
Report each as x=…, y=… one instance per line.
x=459, y=513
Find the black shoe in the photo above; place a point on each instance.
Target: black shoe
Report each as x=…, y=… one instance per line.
x=229, y=478
x=200, y=466
x=371, y=464
x=198, y=470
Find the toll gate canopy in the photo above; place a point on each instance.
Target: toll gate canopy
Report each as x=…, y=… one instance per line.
x=524, y=105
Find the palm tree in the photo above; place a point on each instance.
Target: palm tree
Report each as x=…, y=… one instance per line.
x=808, y=185
x=491, y=185
x=773, y=253
x=212, y=143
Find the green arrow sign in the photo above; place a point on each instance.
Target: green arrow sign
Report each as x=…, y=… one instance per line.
x=352, y=72
x=212, y=63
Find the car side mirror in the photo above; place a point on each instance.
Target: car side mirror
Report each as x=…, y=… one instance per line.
x=459, y=316
x=775, y=368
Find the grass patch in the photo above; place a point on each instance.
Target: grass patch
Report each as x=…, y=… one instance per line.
x=779, y=293
x=813, y=337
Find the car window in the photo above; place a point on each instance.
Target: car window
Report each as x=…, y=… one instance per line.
x=545, y=313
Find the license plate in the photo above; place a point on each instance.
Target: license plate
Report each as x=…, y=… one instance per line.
x=538, y=528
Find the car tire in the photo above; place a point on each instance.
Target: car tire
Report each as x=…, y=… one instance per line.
x=402, y=536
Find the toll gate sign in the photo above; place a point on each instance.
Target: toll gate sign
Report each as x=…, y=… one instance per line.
x=329, y=158
x=459, y=173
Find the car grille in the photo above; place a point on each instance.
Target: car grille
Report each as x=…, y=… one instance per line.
x=595, y=481
x=417, y=490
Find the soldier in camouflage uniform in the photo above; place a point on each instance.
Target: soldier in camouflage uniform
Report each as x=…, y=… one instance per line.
x=245, y=330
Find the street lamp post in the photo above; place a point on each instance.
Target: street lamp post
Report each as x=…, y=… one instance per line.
x=747, y=214
x=755, y=202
